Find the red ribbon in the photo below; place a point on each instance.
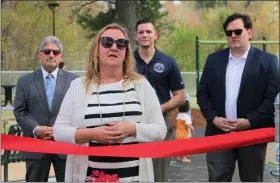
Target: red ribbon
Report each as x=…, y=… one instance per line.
x=144, y=150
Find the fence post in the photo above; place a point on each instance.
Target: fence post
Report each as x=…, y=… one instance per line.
x=264, y=44
x=197, y=51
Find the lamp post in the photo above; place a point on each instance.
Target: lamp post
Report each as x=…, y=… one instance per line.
x=53, y=7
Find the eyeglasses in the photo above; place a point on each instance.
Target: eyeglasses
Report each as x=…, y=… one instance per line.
x=237, y=32
x=48, y=51
x=108, y=42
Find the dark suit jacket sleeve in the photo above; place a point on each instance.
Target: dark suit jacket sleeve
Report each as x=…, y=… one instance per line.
x=257, y=118
x=23, y=118
x=202, y=95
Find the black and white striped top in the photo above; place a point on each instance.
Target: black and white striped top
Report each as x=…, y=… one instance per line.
x=112, y=97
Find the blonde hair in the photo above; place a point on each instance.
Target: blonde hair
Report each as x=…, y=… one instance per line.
x=92, y=71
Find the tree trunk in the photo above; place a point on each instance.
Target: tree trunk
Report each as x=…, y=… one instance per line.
x=126, y=15
x=248, y=4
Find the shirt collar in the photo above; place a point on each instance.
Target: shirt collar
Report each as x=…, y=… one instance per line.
x=244, y=56
x=45, y=73
x=156, y=55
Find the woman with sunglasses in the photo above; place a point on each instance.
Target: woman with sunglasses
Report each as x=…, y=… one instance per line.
x=111, y=105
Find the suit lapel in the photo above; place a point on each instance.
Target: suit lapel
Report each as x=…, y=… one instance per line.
x=39, y=82
x=223, y=66
x=222, y=63
x=59, y=86
x=247, y=68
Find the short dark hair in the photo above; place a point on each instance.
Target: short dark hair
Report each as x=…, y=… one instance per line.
x=185, y=107
x=60, y=65
x=244, y=17
x=144, y=21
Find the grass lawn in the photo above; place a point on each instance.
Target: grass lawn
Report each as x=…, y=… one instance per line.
x=6, y=114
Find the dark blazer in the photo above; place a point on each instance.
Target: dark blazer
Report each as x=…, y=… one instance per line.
x=258, y=89
x=31, y=105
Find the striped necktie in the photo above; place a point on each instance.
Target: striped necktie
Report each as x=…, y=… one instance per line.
x=50, y=88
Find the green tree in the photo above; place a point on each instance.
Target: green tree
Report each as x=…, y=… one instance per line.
x=181, y=43
x=25, y=23
x=144, y=9
x=93, y=23
x=210, y=4
x=181, y=46
x=153, y=10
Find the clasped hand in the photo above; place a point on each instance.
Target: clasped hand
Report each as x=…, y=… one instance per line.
x=231, y=125
x=115, y=132
x=44, y=132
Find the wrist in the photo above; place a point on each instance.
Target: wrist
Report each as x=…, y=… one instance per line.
x=133, y=129
x=92, y=134
x=215, y=118
x=83, y=135
x=163, y=108
x=35, y=131
x=249, y=124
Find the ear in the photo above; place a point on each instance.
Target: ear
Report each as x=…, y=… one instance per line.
x=156, y=35
x=250, y=33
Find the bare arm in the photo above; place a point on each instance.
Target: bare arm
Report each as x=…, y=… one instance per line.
x=153, y=127
x=177, y=100
x=176, y=85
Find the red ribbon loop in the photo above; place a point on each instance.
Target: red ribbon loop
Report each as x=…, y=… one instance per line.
x=144, y=150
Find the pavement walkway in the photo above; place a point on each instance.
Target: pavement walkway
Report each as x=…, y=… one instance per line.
x=196, y=171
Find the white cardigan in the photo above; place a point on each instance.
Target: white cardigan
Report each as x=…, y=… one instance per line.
x=71, y=116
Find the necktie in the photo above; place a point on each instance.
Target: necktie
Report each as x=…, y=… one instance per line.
x=50, y=88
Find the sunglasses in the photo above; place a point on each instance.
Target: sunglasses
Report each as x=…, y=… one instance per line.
x=48, y=51
x=237, y=32
x=108, y=42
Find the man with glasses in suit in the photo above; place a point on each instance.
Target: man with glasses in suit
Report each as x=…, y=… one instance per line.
x=37, y=103
x=236, y=93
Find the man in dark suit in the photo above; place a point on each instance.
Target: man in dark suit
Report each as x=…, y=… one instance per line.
x=37, y=103
x=237, y=92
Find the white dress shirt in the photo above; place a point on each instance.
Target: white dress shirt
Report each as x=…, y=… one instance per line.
x=45, y=73
x=234, y=73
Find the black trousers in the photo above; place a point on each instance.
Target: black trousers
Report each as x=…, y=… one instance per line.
x=251, y=162
x=37, y=170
